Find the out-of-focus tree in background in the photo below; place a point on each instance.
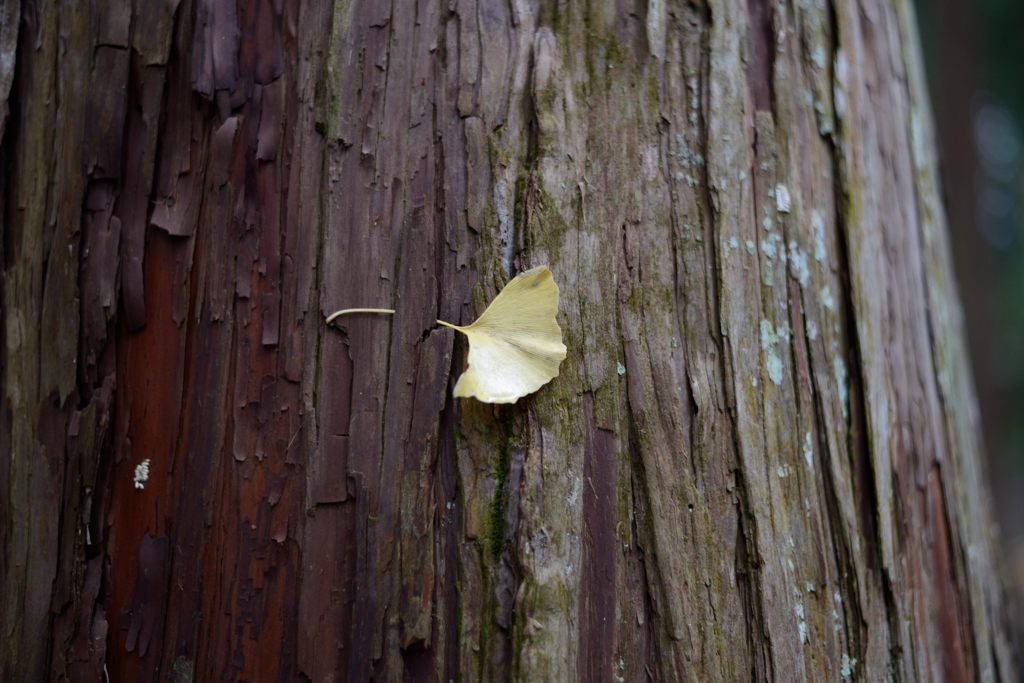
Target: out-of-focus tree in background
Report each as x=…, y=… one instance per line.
x=975, y=55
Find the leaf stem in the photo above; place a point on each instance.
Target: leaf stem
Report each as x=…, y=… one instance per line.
x=388, y=311
x=346, y=311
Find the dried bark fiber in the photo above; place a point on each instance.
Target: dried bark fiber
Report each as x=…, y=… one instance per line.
x=761, y=459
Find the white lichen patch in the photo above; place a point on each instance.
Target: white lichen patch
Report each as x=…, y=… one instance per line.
x=846, y=666
x=824, y=120
x=506, y=230
x=818, y=57
x=839, y=368
x=798, y=264
x=812, y=330
x=769, y=345
x=840, y=79
x=141, y=474
x=751, y=247
x=782, y=199
x=620, y=368
x=774, y=367
x=782, y=471
x=801, y=624
x=808, y=450
x=818, y=226
x=575, y=490
x=827, y=300
x=770, y=246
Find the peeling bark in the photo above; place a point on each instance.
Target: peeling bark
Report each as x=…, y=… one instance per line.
x=760, y=461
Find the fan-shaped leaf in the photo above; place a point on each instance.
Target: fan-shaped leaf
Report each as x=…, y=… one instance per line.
x=515, y=346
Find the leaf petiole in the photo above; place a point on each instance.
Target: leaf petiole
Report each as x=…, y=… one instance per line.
x=388, y=311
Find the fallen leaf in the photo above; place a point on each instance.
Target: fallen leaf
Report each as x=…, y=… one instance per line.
x=515, y=346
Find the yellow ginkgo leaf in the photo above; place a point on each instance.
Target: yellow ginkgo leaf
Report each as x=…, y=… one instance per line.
x=515, y=346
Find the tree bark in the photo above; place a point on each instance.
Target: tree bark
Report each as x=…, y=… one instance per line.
x=760, y=460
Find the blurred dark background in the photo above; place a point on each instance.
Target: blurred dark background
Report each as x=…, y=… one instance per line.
x=974, y=53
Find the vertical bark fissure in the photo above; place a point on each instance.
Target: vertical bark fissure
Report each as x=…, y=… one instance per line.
x=762, y=662
x=858, y=441
x=645, y=543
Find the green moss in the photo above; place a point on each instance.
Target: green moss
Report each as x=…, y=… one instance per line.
x=653, y=93
x=487, y=613
x=496, y=513
x=500, y=155
x=479, y=299
x=547, y=227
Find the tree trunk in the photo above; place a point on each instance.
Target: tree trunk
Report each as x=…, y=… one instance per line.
x=760, y=460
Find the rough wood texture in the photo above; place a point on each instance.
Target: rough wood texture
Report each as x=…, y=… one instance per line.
x=761, y=458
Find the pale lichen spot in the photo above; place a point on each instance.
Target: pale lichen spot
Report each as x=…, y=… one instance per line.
x=782, y=471
x=750, y=247
x=839, y=368
x=841, y=71
x=812, y=330
x=770, y=245
x=827, y=300
x=769, y=345
x=141, y=474
x=846, y=666
x=824, y=120
x=506, y=229
x=798, y=264
x=818, y=225
x=576, y=489
x=808, y=450
x=782, y=199
x=818, y=57
x=621, y=675
x=801, y=624
x=620, y=368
